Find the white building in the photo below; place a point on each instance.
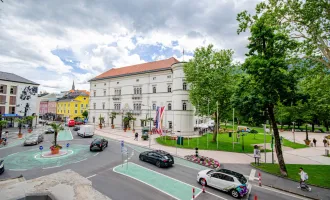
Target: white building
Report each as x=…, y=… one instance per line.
x=140, y=89
x=18, y=96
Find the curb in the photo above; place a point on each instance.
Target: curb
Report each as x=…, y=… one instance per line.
x=271, y=186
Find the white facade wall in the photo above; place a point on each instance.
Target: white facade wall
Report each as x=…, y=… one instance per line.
x=182, y=121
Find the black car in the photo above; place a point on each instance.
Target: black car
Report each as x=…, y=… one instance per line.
x=2, y=166
x=157, y=157
x=98, y=144
x=49, y=131
x=76, y=128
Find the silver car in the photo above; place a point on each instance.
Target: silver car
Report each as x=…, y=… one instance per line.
x=34, y=139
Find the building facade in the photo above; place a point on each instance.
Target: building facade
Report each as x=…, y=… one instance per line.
x=140, y=89
x=18, y=96
x=72, y=108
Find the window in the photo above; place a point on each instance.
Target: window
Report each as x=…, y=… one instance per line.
x=184, y=86
x=68, y=111
x=169, y=124
x=93, y=119
x=94, y=93
x=169, y=88
x=105, y=84
x=95, y=85
x=13, y=89
x=169, y=76
x=94, y=106
x=3, y=89
x=117, y=91
x=117, y=82
x=137, y=80
x=227, y=178
x=84, y=98
x=86, y=105
x=184, y=106
x=103, y=105
x=104, y=93
x=76, y=105
x=2, y=109
x=81, y=111
x=75, y=111
x=153, y=89
x=137, y=90
x=12, y=110
x=137, y=106
x=169, y=106
x=12, y=100
x=154, y=106
x=82, y=105
x=117, y=106
x=154, y=78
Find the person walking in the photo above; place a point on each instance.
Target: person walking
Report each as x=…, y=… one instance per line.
x=256, y=155
x=303, y=178
x=136, y=136
x=314, y=141
x=325, y=142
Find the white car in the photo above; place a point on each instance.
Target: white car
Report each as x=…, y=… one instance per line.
x=226, y=180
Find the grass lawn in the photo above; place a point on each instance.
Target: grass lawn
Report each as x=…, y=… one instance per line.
x=225, y=142
x=317, y=174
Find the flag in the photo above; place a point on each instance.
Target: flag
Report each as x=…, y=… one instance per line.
x=159, y=119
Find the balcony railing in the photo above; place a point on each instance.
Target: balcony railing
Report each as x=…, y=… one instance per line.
x=116, y=97
x=137, y=96
x=137, y=112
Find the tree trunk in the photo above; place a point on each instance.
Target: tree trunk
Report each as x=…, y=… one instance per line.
x=216, y=128
x=19, y=128
x=278, y=146
x=55, y=138
x=313, y=127
x=0, y=132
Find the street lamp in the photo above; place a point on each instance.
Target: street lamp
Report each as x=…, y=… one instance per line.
x=149, y=107
x=294, y=138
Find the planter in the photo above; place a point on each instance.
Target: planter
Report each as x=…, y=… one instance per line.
x=128, y=128
x=30, y=130
x=100, y=125
x=124, y=130
x=149, y=132
x=133, y=130
x=112, y=126
x=202, y=160
x=307, y=142
x=20, y=135
x=55, y=150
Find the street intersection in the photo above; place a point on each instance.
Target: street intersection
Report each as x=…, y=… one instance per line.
x=121, y=176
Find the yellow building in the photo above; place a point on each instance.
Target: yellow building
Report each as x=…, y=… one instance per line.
x=72, y=107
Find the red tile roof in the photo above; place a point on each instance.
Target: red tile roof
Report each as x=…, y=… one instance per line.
x=150, y=66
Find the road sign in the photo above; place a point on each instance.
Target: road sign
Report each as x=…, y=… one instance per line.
x=41, y=148
x=122, y=143
x=124, y=150
x=67, y=145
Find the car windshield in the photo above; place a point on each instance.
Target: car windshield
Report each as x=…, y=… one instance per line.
x=211, y=171
x=96, y=141
x=239, y=176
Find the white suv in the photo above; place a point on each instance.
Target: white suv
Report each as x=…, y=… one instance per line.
x=226, y=180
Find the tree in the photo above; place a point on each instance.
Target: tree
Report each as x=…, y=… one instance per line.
x=20, y=121
x=211, y=76
x=29, y=119
x=85, y=114
x=267, y=65
x=112, y=117
x=307, y=21
x=2, y=124
x=101, y=119
x=57, y=128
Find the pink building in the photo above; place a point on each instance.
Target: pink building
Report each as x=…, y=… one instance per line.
x=43, y=108
x=52, y=107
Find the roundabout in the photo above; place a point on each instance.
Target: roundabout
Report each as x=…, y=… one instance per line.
x=35, y=158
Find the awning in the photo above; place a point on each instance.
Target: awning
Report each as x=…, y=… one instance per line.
x=10, y=115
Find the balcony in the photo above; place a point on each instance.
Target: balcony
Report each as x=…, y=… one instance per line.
x=136, y=112
x=137, y=96
x=116, y=97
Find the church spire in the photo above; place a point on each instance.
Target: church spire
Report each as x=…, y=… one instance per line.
x=73, y=87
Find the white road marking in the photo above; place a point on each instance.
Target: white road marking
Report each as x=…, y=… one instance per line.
x=50, y=167
x=91, y=176
x=17, y=169
x=281, y=192
x=80, y=160
x=197, y=195
x=252, y=174
x=96, y=154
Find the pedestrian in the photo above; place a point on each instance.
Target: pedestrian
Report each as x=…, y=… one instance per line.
x=256, y=155
x=136, y=136
x=6, y=135
x=325, y=142
x=303, y=178
x=314, y=141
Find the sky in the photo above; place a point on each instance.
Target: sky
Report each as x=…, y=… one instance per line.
x=55, y=42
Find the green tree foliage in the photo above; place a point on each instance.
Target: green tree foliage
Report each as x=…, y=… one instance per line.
x=57, y=128
x=20, y=121
x=85, y=114
x=267, y=66
x=307, y=21
x=211, y=76
x=2, y=124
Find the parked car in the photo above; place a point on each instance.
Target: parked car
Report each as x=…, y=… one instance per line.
x=49, y=131
x=226, y=180
x=71, y=123
x=76, y=128
x=157, y=157
x=98, y=144
x=86, y=131
x=34, y=139
x=2, y=166
x=79, y=122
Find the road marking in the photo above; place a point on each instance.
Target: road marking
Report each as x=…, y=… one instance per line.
x=168, y=185
x=252, y=174
x=91, y=176
x=51, y=167
x=216, y=195
x=80, y=160
x=96, y=154
x=281, y=192
x=197, y=195
x=17, y=169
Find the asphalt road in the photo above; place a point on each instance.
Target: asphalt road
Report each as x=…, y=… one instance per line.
x=99, y=168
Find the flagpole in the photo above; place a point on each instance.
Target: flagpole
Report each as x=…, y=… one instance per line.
x=198, y=124
x=183, y=55
x=217, y=125
x=233, y=128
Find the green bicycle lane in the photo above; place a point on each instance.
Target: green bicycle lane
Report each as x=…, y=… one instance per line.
x=64, y=135
x=170, y=186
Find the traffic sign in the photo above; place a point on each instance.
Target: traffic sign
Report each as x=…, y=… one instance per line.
x=67, y=145
x=124, y=150
x=122, y=143
x=41, y=148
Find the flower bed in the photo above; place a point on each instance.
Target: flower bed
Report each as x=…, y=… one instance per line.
x=202, y=160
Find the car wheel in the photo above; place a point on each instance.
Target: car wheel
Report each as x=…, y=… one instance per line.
x=234, y=193
x=202, y=181
x=101, y=148
x=141, y=158
x=158, y=164
x=90, y=149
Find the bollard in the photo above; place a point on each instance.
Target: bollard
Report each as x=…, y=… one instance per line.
x=259, y=179
x=193, y=193
x=203, y=187
x=196, y=152
x=255, y=197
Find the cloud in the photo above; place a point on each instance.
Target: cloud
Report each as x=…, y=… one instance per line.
x=95, y=36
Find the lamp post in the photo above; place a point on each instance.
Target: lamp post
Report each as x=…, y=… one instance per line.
x=294, y=138
x=149, y=107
